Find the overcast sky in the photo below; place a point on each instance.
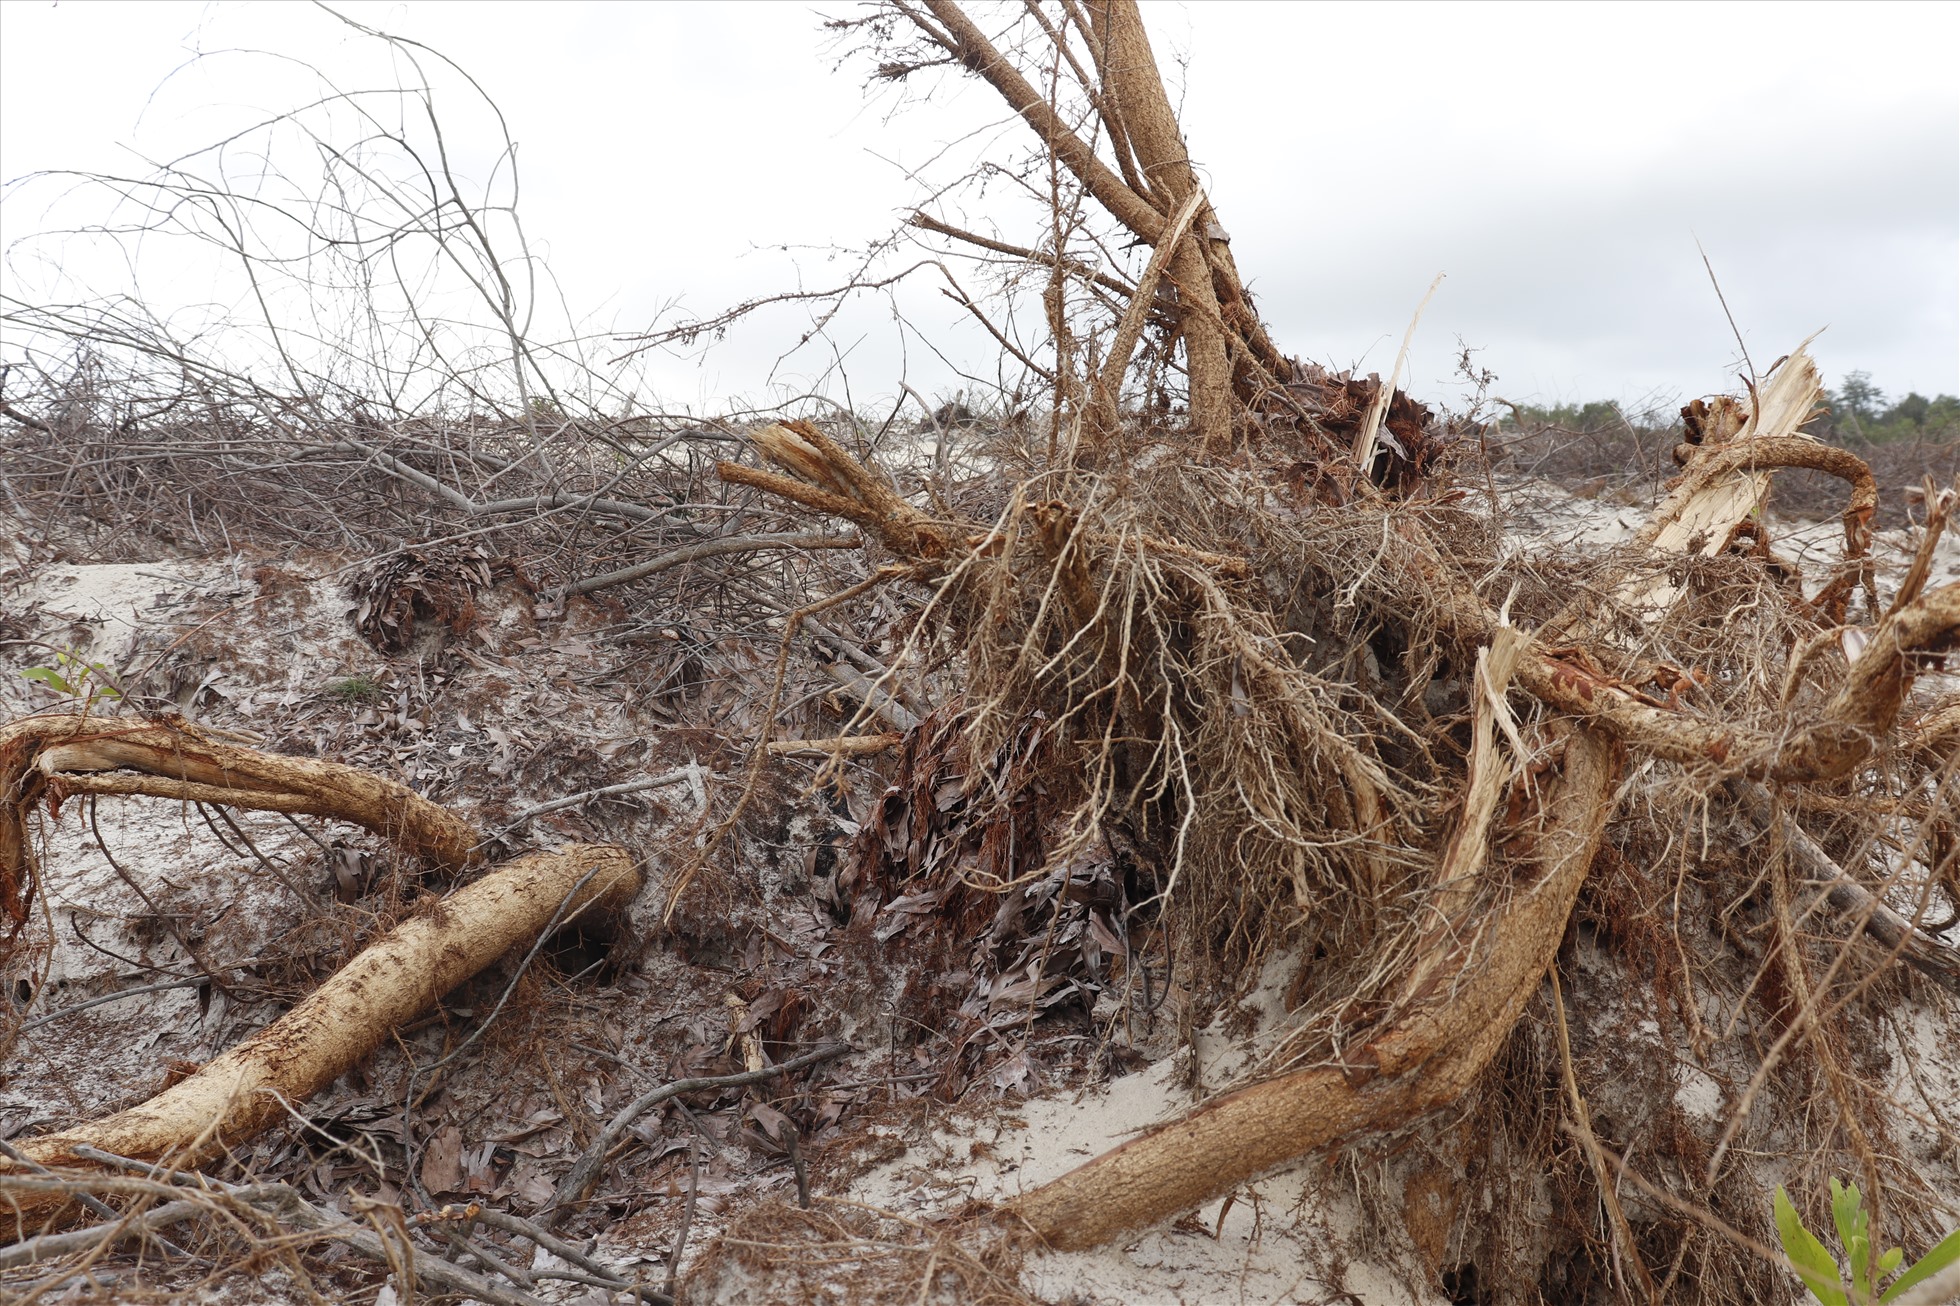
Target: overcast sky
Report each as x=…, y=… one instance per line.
x=1558, y=163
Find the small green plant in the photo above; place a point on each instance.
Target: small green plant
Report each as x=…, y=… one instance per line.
x=75, y=678
x=358, y=689
x=1819, y=1270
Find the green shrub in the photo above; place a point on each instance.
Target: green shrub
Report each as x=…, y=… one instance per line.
x=1819, y=1271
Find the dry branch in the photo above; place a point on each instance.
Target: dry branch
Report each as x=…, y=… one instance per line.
x=825, y=477
x=1109, y=387
x=708, y=549
x=580, y=1180
x=1135, y=94
x=266, y=1211
x=960, y=37
x=926, y=222
x=869, y=693
x=1913, y=946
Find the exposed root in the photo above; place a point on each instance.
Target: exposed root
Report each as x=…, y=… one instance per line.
x=49, y=758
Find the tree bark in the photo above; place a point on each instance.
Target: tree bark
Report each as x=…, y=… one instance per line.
x=55, y=757
x=1215, y=314
x=1136, y=92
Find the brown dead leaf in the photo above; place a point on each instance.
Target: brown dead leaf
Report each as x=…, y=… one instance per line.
x=442, y=1161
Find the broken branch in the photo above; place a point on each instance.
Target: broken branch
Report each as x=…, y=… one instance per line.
x=584, y=1174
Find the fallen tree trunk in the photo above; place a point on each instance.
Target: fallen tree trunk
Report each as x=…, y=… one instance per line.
x=1420, y=1062
x=1457, y=1004
x=338, y=1025
x=1082, y=602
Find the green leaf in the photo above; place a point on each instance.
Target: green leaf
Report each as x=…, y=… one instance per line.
x=1928, y=1265
x=1890, y=1261
x=1847, y=1211
x=1854, y=1235
x=1808, y=1257
x=51, y=678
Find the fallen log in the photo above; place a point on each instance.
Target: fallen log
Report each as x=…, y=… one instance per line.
x=339, y=1024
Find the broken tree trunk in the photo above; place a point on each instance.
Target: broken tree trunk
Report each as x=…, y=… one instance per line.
x=1723, y=488
x=1082, y=601
x=1229, y=355
x=1458, y=1002
x=1134, y=92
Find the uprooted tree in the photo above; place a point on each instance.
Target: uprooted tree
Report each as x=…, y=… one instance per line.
x=1308, y=697
x=1292, y=682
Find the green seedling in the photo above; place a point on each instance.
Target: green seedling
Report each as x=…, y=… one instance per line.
x=73, y=677
x=1820, y=1271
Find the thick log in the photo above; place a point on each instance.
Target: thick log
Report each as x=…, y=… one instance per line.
x=338, y=1025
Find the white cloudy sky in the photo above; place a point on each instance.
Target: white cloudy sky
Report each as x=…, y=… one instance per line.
x=1557, y=162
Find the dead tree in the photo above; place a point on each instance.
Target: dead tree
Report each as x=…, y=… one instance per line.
x=1266, y=750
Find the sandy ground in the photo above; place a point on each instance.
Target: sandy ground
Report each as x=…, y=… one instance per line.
x=266, y=641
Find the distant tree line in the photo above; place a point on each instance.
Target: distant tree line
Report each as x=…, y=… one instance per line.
x=1859, y=413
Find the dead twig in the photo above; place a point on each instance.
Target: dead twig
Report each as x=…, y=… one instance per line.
x=706, y=549
x=690, y=774
x=579, y=1181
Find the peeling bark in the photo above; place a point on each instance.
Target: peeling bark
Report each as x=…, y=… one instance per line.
x=54, y=757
